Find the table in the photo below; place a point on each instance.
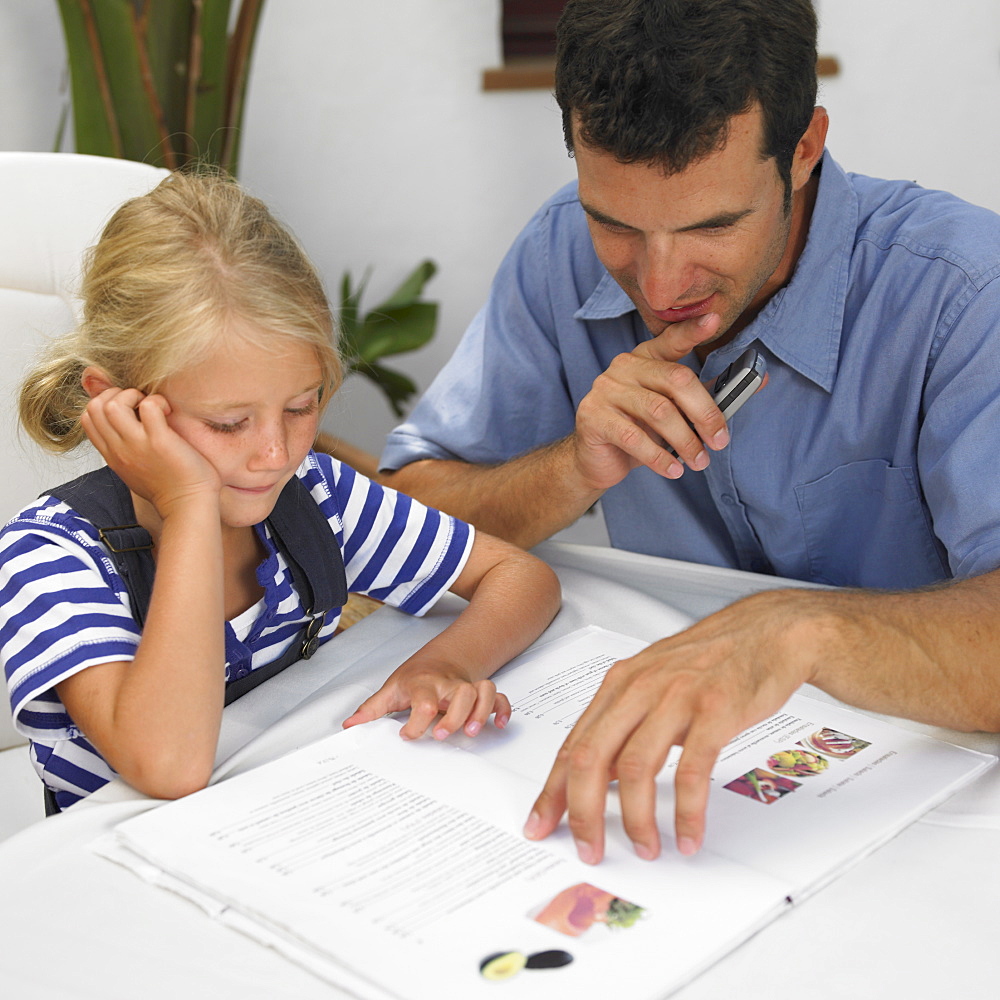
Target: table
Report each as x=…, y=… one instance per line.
x=918, y=918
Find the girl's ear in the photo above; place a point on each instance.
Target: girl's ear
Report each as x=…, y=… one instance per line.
x=95, y=381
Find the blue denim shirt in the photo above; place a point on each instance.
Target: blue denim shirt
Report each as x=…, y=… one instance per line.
x=870, y=457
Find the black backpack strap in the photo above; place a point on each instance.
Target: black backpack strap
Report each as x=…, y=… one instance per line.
x=104, y=500
x=303, y=536
x=298, y=527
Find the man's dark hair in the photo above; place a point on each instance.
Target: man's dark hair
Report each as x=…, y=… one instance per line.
x=657, y=81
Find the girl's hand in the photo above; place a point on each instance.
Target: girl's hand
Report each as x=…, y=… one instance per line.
x=131, y=432
x=428, y=692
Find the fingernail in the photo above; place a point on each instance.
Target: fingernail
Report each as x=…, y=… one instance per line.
x=441, y=734
x=721, y=439
x=531, y=828
x=645, y=852
x=687, y=846
x=405, y=736
x=500, y=721
x=700, y=461
x=703, y=321
x=586, y=852
x=473, y=727
x=675, y=470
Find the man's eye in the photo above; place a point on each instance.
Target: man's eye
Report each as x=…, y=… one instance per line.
x=722, y=227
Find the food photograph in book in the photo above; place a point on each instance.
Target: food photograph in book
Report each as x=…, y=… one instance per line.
x=762, y=786
x=801, y=761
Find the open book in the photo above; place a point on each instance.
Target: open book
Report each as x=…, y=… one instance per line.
x=399, y=870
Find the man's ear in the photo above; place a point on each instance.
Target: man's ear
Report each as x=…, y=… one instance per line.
x=810, y=148
x=95, y=381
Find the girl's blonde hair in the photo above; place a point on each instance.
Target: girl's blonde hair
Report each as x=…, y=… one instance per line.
x=161, y=288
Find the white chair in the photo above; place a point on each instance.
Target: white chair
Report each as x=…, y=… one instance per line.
x=52, y=207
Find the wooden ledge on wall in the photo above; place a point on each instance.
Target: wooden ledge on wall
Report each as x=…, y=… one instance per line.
x=539, y=73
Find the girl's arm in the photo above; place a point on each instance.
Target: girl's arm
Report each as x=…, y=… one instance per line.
x=156, y=719
x=512, y=598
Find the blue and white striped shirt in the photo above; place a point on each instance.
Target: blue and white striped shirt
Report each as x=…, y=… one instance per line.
x=63, y=606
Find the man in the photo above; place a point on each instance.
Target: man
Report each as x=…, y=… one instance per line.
x=707, y=218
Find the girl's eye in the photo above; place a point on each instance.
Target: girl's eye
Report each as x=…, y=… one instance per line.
x=304, y=411
x=226, y=428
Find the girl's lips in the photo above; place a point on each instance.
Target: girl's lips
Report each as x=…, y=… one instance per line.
x=682, y=313
x=253, y=489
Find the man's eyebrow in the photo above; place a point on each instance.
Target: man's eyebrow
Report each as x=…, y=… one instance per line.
x=602, y=218
x=718, y=221
x=721, y=220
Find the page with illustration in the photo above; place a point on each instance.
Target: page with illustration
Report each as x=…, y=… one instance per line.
x=362, y=846
x=798, y=796
x=403, y=867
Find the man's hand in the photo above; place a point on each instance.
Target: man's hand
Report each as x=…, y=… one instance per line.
x=697, y=689
x=645, y=401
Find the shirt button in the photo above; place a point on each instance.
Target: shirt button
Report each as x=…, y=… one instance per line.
x=728, y=499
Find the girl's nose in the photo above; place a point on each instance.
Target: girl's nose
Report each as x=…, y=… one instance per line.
x=272, y=449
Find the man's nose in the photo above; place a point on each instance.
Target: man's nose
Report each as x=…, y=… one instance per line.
x=664, y=274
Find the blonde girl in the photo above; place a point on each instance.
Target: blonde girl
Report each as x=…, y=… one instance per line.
x=199, y=372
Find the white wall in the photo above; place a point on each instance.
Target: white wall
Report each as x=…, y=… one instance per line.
x=918, y=95
x=391, y=152
x=368, y=132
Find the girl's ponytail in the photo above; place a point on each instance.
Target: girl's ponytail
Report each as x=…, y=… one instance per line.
x=52, y=398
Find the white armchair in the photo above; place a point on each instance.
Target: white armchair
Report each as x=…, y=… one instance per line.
x=53, y=206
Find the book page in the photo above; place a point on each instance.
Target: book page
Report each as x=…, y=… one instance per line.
x=549, y=688
x=362, y=848
x=817, y=786
x=797, y=796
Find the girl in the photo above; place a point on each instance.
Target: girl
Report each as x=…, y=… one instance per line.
x=199, y=373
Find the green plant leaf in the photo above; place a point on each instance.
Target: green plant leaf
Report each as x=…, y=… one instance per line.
x=144, y=132
x=409, y=291
x=94, y=121
x=205, y=91
x=240, y=53
x=166, y=29
x=396, y=331
x=348, y=321
x=159, y=80
x=397, y=325
x=398, y=388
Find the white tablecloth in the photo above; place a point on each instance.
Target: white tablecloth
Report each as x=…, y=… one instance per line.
x=917, y=919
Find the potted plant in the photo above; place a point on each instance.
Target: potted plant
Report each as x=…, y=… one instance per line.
x=164, y=82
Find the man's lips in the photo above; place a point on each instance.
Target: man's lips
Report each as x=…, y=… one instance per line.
x=681, y=313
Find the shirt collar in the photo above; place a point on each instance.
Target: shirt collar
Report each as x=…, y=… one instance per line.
x=607, y=301
x=802, y=322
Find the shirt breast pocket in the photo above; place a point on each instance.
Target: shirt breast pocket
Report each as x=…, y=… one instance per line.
x=866, y=525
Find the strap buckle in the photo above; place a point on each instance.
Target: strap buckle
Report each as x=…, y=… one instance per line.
x=103, y=534
x=310, y=642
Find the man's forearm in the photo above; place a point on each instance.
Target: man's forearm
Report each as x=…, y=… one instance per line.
x=523, y=501
x=929, y=655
